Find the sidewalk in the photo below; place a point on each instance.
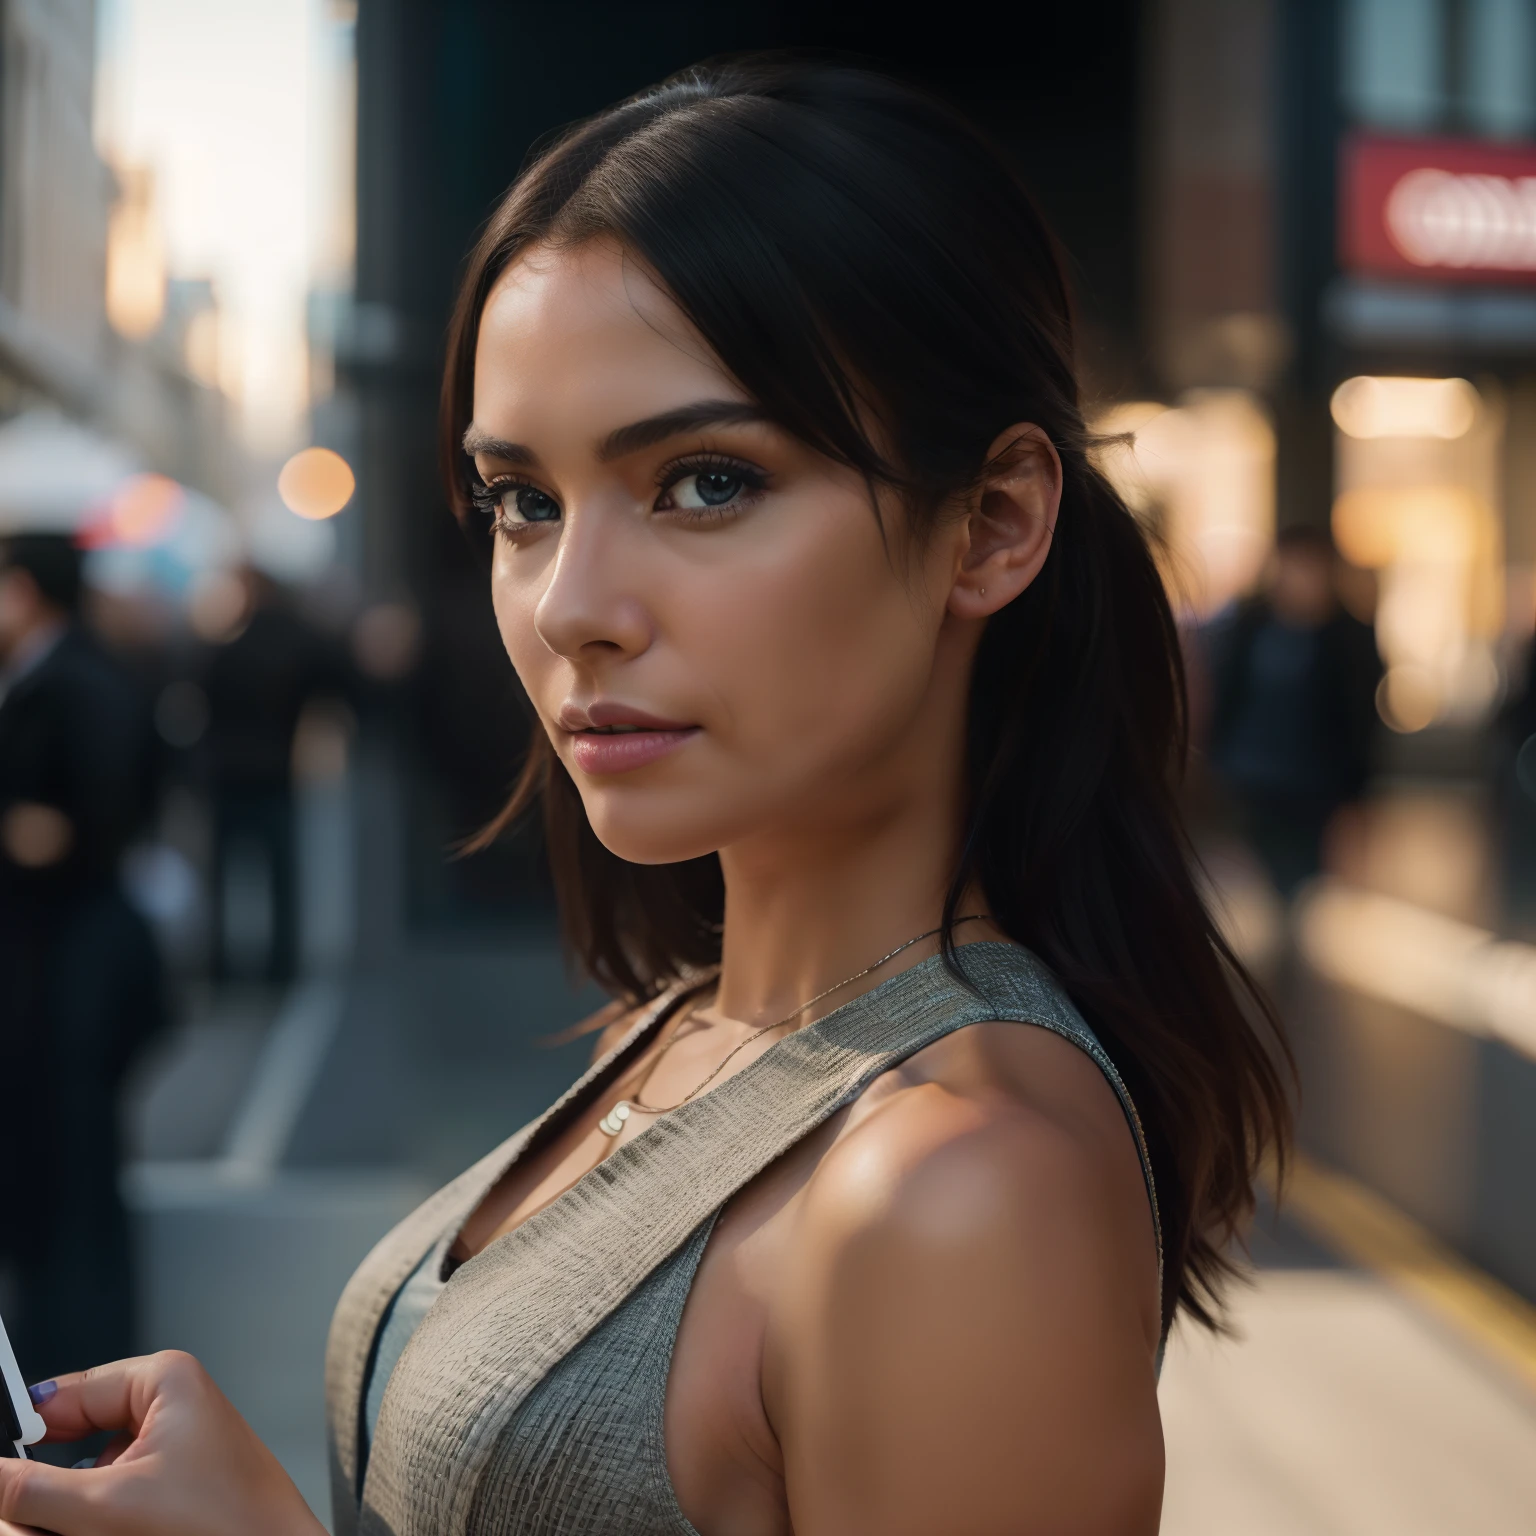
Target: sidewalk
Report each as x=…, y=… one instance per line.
x=1339, y=1409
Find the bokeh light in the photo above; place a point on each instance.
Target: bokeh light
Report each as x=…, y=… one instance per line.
x=135, y=258
x=219, y=607
x=316, y=483
x=1408, y=698
x=143, y=509
x=1394, y=407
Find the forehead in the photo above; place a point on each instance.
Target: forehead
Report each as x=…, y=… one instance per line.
x=590, y=319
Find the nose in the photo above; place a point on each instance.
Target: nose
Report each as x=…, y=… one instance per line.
x=590, y=608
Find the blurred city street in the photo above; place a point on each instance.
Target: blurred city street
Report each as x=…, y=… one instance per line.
x=1338, y=1408
x=1303, y=241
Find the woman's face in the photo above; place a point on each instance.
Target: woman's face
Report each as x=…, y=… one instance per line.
x=702, y=609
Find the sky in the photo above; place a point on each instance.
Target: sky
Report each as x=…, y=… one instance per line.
x=241, y=110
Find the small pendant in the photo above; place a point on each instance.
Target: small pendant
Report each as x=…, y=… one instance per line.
x=613, y=1122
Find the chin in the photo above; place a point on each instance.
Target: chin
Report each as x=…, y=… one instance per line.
x=650, y=827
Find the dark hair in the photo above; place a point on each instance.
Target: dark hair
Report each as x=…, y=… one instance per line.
x=51, y=560
x=851, y=248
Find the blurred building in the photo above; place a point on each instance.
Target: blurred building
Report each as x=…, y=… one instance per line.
x=1340, y=261
x=1341, y=251
x=77, y=250
x=52, y=248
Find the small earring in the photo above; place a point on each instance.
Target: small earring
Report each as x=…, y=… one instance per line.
x=983, y=591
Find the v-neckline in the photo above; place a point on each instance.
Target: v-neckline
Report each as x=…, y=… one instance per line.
x=560, y=1116
x=579, y=1098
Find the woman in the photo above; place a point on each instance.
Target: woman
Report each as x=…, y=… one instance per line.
x=859, y=703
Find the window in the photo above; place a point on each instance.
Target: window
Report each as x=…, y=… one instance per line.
x=1441, y=66
x=1394, y=63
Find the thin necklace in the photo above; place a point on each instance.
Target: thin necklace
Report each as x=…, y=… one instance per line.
x=613, y=1122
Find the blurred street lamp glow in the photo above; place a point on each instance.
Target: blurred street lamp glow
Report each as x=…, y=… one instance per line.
x=201, y=348
x=1376, y=525
x=1408, y=698
x=135, y=259
x=316, y=483
x=1367, y=406
x=1201, y=476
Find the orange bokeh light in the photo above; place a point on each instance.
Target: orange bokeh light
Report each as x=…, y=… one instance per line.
x=316, y=483
x=143, y=508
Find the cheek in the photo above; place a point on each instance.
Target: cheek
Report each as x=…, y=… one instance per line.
x=817, y=650
x=514, y=599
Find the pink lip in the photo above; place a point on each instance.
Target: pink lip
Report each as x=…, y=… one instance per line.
x=597, y=753
x=632, y=749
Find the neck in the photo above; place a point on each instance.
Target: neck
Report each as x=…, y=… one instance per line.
x=803, y=913
x=823, y=894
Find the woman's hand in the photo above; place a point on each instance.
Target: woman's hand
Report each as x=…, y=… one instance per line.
x=184, y=1462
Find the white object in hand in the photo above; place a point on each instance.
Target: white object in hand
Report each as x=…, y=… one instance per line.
x=22, y=1414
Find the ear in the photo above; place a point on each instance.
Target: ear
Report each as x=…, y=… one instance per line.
x=1011, y=521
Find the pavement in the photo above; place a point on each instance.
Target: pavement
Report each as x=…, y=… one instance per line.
x=1337, y=1408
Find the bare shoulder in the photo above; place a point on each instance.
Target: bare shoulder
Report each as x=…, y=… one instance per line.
x=976, y=1272
x=1010, y=1126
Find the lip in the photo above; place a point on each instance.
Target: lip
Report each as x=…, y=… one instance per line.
x=649, y=739
x=582, y=717
x=633, y=749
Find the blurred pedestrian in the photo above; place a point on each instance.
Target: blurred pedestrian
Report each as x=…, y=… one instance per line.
x=80, y=982
x=1515, y=795
x=1293, y=679
x=258, y=682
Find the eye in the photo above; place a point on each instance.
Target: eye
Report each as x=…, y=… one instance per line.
x=530, y=505
x=512, y=504
x=702, y=485
x=714, y=488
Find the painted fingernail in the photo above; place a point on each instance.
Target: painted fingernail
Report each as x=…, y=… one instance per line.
x=42, y=1392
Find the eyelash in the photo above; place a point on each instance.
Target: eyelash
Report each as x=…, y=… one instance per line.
x=489, y=495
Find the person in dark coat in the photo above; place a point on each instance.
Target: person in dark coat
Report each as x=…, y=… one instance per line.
x=258, y=681
x=80, y=977
x=1293, y=679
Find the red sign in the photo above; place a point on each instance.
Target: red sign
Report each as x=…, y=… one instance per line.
x=1445, y=210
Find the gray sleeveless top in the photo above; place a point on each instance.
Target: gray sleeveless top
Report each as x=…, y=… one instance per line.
x=525, y=1395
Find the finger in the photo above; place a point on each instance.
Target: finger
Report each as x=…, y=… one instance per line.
x=112, y=1396
x=115, y=1448
x=32, y=1493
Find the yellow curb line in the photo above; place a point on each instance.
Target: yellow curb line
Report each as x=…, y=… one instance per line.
x=1364, y=1228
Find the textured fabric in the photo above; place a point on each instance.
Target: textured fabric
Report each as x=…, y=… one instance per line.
x=587, y=1450
x=368, y=1294
x=530, y=1398
x=412, y=1303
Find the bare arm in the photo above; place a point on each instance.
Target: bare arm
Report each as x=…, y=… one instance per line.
x=966, y=1350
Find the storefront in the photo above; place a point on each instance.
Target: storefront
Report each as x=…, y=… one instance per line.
x=1342, y=267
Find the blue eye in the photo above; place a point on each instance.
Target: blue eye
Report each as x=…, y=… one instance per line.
x=509, y=505
x=714, y=489
x=530, y=505
x=709, y=486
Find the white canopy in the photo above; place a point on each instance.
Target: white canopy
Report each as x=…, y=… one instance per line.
x=55, y=473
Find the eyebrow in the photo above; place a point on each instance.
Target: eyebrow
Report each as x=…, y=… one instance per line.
x=629, y=439
x=686, y=418
x=478, y=441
